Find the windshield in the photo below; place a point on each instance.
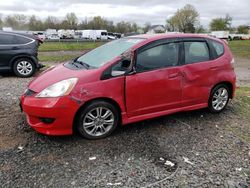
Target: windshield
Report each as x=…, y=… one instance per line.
x=105, y=53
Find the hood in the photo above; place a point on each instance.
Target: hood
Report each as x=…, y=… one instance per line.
x=56, y=74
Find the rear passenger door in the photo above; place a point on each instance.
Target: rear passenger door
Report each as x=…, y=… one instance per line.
x=6, y=49
x=197, y=71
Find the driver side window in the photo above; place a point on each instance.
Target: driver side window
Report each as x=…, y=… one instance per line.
x=161, y=56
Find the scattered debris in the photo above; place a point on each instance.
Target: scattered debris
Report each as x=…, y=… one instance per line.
x=114, y=184
x=169, y=163
x=20, y=149
x=238, y=169
x=92, y=158
x=160, y=181
x=186, y=160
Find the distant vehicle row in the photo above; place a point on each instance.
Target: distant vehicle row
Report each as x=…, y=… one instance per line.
x=53, y=34
x=227, y=36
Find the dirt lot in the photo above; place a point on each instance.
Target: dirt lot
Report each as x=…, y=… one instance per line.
x=191, y=149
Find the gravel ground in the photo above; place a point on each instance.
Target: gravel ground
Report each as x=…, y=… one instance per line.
x=191, y=149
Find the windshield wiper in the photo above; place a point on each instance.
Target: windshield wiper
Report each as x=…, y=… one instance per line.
x=87, y=66
x=74, y=63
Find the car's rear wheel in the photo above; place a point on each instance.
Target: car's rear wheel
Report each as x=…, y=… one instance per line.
x=24, y=67
x=219, y=98
x=97, y=120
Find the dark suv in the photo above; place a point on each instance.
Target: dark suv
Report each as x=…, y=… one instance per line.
x=18, y=53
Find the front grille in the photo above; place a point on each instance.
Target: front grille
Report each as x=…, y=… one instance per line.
x=29, y=93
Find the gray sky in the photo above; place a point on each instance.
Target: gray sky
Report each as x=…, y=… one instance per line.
x=139, y=11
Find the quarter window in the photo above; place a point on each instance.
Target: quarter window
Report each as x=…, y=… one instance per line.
x=196, y=52
x=22, y=40
x=219, y=48
x=161, y=56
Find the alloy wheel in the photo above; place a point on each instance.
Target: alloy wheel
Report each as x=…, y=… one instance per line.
x=24, y=68
x=220, y=99
x=98, y=121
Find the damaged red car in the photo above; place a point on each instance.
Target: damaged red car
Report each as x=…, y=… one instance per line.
x=130, y=80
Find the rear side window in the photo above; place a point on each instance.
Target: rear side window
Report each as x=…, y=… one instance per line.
x=219, y=48
x=6, y=39
x=196, y=52
x=161, y=56
x=22, y=40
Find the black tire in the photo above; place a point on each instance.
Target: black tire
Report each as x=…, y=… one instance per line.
x=91, y=108
x=215, y=90
x=30, y=68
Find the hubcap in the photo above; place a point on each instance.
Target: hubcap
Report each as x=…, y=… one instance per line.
x=220, y=99
x=98, y=121
x=24, y=67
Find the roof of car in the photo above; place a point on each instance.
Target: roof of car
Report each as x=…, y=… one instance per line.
x=168, y=35
x=17, y=33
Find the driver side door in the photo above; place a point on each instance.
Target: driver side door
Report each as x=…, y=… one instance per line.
x=157, y=84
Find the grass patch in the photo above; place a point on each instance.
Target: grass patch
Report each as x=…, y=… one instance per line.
x=57, y=58
x=240, y=48
x=68, y=46
x=242, y=108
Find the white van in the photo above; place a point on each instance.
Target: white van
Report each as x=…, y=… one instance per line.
x=89, y=34
x=102, y=34
x=220, y=34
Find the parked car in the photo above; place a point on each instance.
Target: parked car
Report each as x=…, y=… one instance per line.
x=18, y=53
x=130, y=80
x=53, y=37
x=41, y=36
x=111, y=36
x=220, y=34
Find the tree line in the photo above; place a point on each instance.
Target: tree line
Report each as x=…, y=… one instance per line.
x=70, y=21
x=185, y=20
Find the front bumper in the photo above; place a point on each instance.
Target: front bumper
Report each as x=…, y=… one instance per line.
x=61, y=109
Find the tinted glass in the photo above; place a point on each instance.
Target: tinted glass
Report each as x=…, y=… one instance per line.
x=158, y=57
x=22, y=40
x=219, y=48
x=6, y=39
x=196, y=52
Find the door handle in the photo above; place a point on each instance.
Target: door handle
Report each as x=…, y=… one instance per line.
x=174, y=75
x=214, y=68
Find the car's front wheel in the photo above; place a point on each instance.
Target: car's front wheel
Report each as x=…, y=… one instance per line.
x=219, y=98
x=97, y=120
x=24, y=67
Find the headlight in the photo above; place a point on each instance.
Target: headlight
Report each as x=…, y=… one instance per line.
x=59, y=89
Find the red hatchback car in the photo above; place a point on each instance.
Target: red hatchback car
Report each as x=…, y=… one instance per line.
x=130, y=80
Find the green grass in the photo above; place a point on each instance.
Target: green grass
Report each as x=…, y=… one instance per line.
x=240, y=48
x=68, y=46
x=58, y=58
x=241, y=105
